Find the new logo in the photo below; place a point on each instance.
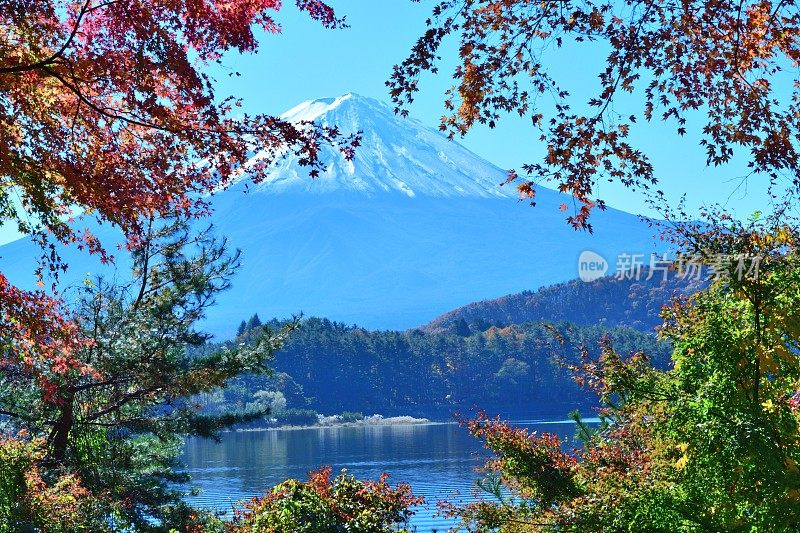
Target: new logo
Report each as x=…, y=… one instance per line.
x=591, y=266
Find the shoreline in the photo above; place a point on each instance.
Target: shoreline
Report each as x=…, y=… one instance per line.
x=329, y=422
x=366, y=422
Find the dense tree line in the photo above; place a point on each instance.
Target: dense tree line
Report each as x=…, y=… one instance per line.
x=331, y=367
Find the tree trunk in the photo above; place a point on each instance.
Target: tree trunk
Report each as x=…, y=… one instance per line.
x=59, y=436
x=757, y=366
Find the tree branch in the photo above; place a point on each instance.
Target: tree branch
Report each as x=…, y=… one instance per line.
x=50, y=60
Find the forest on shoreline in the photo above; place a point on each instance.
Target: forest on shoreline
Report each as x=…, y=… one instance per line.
x=328, y=368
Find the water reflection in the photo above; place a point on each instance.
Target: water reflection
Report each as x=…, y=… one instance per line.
x=438, y=460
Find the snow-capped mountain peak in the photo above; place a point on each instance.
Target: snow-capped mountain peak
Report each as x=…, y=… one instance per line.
x=397, y=156
x=313, y=109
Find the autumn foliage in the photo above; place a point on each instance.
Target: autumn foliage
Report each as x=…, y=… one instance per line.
x=534, y=463
x=327, y=505
x=107, y=111
x=721, y=70
x=55, y=502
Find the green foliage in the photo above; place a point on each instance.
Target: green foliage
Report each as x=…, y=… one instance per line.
x=60, y=504
x=16, y=458
x=461, y=328
x=254, y=322
x=348, y=368
x=330, y=367
x=350, y=416
x=711, y=444
x=452, y=365
x=325, y=505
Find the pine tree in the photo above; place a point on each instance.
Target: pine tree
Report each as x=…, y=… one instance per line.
x=254, y=322
x=119, y=419
x=461, y=328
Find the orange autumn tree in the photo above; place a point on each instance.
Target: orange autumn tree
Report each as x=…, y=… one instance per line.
x=106, y=110
x=735, y=62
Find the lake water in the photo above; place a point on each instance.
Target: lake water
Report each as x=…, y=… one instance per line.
x=438, y=460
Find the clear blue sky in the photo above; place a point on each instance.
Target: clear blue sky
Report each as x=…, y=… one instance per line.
x=308, y=62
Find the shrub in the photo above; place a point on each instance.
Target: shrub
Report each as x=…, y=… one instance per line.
x=350, y=416
x=29, y=503
x=325, y=505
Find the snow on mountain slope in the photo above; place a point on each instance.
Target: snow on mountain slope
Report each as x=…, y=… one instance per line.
x=415, y=226
x=395, y=155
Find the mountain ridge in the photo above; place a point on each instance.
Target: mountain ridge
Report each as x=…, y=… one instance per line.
x=609, y=301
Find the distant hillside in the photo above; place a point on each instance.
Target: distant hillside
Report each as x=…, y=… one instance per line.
x=607, y=301
x=331, y=368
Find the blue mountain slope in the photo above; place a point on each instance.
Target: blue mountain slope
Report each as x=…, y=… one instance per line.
x=415, y=226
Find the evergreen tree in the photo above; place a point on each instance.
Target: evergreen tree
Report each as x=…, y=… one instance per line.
x=254, y=322
x=119, y=419
x=461, y=328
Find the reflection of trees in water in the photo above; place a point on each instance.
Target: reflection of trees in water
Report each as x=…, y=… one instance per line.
x=437, y=459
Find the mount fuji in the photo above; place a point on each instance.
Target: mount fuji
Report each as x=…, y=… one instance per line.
x=414, y=226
